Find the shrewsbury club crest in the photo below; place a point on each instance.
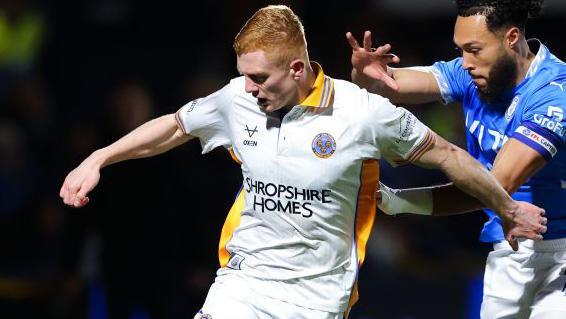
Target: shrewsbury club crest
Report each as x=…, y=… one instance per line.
x=323, y=145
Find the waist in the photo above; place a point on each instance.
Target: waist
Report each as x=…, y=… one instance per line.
x=541, y=246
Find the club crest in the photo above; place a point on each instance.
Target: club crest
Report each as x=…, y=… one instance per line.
x=512, y=107
x=323, y=145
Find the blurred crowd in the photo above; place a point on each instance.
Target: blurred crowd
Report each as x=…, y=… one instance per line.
x=76, y=76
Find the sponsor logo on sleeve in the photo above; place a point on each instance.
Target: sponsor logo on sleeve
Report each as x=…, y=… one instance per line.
x=552, y=120
x=538, y=139
x=407, y=123
x=192, y=105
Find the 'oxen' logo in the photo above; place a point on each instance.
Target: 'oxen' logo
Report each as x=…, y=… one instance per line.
x=323, y=145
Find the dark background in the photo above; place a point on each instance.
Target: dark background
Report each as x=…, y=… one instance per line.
x=75, y=76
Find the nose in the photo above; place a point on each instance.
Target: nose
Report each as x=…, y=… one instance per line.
x=251, y=87
x=466, y=63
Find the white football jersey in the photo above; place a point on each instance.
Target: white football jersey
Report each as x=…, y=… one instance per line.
x=299, y=226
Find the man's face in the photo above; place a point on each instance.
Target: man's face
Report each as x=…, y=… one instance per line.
x=272, y=85
x=492, y=68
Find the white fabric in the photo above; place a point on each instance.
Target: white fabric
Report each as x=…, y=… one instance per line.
x=529, y=283
x=232, y=296
x=409, y=200
x=307, y=257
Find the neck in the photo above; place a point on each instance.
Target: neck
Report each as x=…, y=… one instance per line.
x=306, y=83
x=524, y=58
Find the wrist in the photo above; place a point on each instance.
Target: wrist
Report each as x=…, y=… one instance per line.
x=98, y=159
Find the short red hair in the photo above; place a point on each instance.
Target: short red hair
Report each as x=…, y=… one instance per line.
x=277, y=31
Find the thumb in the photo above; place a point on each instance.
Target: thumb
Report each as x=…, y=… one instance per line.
x=390, y=82
x=513, y=242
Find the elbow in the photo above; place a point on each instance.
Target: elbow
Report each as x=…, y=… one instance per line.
x=509, y=183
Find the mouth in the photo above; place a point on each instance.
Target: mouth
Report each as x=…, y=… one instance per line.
x=262, y=102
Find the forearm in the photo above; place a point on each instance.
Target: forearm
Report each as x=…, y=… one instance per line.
x=416, y=86
x=440, y=200
x=152, y=138
x=468, y=175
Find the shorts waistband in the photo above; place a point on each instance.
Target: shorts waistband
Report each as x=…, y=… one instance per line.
x=543, y=246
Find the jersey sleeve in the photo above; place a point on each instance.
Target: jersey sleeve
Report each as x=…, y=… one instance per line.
x=205, y=119
x=452, y=79
x=399, y=135
x=543, y=125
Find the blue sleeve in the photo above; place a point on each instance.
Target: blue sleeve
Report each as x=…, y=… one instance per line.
x=543, y=125
x=452, y=79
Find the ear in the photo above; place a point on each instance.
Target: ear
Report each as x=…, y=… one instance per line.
x=512, y=37
x=297, y=69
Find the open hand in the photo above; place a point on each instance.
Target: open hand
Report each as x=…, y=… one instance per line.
x=372, y=63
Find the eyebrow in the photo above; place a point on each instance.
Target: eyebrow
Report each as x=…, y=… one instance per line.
x=468, y=44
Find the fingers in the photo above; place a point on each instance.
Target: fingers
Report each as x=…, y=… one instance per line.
x=512, y=242
x=353, y=42
x=367, y=41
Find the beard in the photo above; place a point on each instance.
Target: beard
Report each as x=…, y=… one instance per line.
x=502, y=78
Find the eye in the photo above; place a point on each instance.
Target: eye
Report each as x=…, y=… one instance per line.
x=258, y=79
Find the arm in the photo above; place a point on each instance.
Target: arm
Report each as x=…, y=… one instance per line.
x=520, y=219
x=401, y=85
x=152, y=138
x=510, y=170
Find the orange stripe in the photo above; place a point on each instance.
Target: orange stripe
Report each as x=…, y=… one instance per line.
x=179, y=122
x=232, y=221
x=234, y=157
x=424, y=146
x=367, y=204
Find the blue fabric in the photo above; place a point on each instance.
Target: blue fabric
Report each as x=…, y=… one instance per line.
x=533, y=113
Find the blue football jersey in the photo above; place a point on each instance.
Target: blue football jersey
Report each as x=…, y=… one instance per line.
x=532, y=114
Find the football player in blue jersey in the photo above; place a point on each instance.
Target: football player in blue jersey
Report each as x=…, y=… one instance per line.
x=513, y=97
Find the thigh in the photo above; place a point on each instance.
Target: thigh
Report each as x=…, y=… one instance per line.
x=507, y=292
x=550, y=299
x=278, y=309
x=226, y=302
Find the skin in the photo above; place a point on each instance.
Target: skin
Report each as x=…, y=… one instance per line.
x=515, y=162
x=275, y=87
x=280, y=88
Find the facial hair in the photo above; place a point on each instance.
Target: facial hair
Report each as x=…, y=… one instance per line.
x=501, y=79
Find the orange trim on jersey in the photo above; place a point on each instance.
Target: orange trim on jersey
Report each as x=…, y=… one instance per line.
x=230, y=224
x=234, y=157
x=365, y=216
x=322, y=90
x=179, y=122
x=424, y=146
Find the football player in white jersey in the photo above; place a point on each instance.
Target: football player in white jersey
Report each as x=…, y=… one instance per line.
x=309, y=148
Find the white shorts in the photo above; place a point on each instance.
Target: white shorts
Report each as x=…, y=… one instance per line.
x=529, y=283
x=231, y=296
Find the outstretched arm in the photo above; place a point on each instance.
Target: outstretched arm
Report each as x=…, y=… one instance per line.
x=400, y=85
x=520, y=219
x=152, y=138
x=510, y=170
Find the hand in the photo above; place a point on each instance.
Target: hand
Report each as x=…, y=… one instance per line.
x=372, y=63
x=79, y=183
x=526, y=221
